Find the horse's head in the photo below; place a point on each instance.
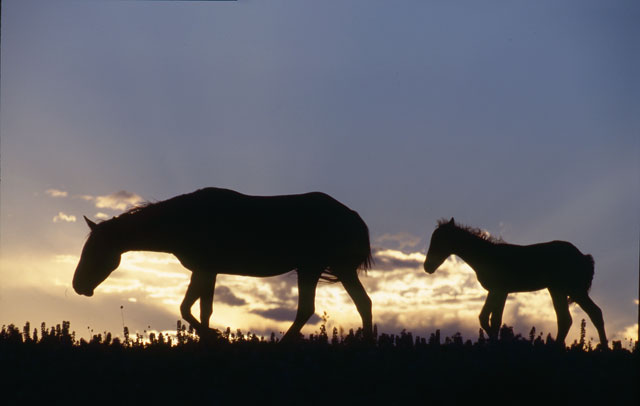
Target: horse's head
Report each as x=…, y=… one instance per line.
x=99, y=258
x=440, y=247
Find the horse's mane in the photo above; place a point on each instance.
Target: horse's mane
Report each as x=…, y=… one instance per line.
x=140, y=208
x=476, y=232
x=148, y=209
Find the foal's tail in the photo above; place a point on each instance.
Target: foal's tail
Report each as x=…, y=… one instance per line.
x=586, y=276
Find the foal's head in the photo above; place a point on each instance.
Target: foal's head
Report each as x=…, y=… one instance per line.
x=99, y=258
x=441, y=245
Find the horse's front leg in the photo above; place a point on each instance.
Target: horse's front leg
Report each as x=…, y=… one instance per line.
x=500, y=298
x=206, y=299
x=201, y=287
x=491, y=314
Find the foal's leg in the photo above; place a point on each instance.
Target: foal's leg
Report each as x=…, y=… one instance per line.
x=496, y=313
x=595, y=314
x=491, y=314
x=362, y=301
x=200, y=287
x=561, y=305
x=307, y=283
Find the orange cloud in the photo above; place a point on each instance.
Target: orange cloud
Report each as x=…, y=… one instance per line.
x=118, y=201
x=56, y=193
x=68, y=218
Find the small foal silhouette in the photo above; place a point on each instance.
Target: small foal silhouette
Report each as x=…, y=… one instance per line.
x=503, y=268
x=214, y=231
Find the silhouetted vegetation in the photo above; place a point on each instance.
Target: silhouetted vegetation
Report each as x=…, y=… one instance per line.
x=51, y=364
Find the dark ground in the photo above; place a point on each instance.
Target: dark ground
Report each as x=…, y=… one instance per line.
x=55, y=368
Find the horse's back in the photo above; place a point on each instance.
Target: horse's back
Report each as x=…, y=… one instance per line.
x=236, y=230
x=281, y=213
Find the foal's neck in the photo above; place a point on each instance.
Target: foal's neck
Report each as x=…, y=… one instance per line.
x=472, y=249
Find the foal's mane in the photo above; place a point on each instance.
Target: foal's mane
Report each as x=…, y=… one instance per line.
x=476, y=232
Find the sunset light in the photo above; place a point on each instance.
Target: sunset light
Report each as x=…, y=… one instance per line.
x=319, y=201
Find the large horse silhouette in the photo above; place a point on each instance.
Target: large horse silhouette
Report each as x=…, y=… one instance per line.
x=214, y=231
x=503, y=268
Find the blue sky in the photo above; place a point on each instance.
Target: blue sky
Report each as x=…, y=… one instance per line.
x=518, y=117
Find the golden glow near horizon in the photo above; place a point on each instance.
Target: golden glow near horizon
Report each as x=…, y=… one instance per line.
x=403, y=298
x=150, y=287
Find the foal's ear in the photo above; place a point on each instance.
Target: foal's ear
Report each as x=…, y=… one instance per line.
x=90, y=223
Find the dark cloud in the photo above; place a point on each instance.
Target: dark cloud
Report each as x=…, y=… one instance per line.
x=383, y=261
x=284, y=314
x=399, y=241
x=283, y=290
x=224, y=295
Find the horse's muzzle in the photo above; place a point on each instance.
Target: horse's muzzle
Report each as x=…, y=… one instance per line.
x=427, y=269
x=86, y=292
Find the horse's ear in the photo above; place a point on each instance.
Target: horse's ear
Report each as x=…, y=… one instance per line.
x=90, y=223
x=451, y=222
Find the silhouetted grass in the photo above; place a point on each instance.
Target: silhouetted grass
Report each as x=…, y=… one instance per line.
x=51, y=364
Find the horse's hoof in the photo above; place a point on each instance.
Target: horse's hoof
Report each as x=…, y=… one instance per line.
x=208, y=332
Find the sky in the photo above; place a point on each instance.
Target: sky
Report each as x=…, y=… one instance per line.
x=520, y=118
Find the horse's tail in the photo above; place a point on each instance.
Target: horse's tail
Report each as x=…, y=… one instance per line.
x=365, y=249
x=590, y=264
x=589, y=267
x=355, y=250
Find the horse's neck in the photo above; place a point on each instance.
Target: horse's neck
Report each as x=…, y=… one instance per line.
x=138, y=234
x=473, y=250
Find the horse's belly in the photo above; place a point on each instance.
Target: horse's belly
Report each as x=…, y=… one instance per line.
x=260, y=272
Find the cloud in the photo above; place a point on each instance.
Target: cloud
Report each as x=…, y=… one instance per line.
x=118, y=201
x=224, y=295
x=56, y=193
x=64, y=217
x=399, y=241
x=628, y=332
x=121, y=200
x=403, y=298
x=101, y=216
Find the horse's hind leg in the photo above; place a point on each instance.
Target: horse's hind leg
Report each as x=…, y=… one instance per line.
x=595, y=314
x=307, y=283
x=361, y=299
x=561, y=305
